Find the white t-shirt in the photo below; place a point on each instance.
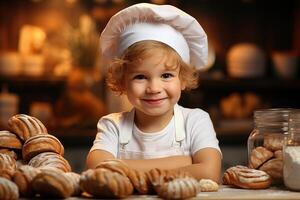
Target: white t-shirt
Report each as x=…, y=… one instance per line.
x=198, y=128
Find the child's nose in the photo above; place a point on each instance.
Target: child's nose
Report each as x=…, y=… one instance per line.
x=154, y=86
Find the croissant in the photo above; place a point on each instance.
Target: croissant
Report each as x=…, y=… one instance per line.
x=26, y=126
x=102, y=182
x=8, y=189
x=52, y=183
x=258, y=156
x=9, y=140
x=23, y=177
x=179, y=188
x=41, y=143
x=50, y=160
x=244, y=177
x=115, y=165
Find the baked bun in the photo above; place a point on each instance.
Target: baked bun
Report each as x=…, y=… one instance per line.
x=179, y=188
x=258, y=156
x=7, y=166
x=273, y=142
x=9, y=140
x=10, y=153
x=140, y=181
x=23, y=177
x=26, y=126
x=104, y=183
x=74, y=179
x=52, y=183
x=50, y=160
x=273, y=167
x=115, y=165
x=8, y=190
x=278, y=154
x=208, y=185
x=244, y=177
x=41, y=143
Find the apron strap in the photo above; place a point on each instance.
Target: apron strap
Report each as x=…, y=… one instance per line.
x=179, y=124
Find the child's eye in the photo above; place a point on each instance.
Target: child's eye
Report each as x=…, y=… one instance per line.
x=139, y=77
x=167, y=75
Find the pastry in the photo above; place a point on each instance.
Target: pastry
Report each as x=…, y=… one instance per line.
x=115, y=165
x=8, y=189
x=9, y=140
x=41, y=143
x=179, y=188
x=23, y=177
x=157, y=177
x=208, y=185
x=26, y=126
x=104, y=183
x=74, y=179
x=7, y=166
x=278, y=154
x=140, y=181
x=52, y=183
x=9, y=152
x=244, y=177
x=273, y=143
x=50, y=160
x=258, y=156
x=273, y=167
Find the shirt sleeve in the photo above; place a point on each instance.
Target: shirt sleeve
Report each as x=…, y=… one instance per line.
x=202, y=132
x=107, y=134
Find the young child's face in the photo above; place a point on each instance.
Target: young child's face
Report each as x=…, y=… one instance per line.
x=151, y=87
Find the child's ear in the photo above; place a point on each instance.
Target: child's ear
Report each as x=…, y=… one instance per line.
x=183, y=86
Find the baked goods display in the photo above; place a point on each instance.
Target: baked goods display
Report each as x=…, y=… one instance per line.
x=41, y=143
x=8, y=189
x=208, y=185
x=244, y=177
x=26, y=126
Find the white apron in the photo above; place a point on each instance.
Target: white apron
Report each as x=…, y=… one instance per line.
x=126, y=135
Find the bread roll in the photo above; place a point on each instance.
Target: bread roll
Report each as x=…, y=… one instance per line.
x=7, y=166
x=207, y=185
x=115, y=165
x=41, y=143
x=9, y=140
x=74, y=179
x=140, y=181
x=26, y=126
x=258, y=156
x=8, y=190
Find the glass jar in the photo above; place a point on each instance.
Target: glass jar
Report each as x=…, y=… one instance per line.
x=291, y=153
x=265, y=142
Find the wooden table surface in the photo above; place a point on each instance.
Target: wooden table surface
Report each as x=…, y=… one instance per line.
x=224, y=193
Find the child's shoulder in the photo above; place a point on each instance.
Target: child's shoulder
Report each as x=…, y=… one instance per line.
x=115, y=117
x=193, y=112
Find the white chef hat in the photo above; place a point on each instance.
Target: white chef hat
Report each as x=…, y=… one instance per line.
x=164, y=23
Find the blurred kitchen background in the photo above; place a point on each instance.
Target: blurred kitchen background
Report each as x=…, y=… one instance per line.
x=50, y=66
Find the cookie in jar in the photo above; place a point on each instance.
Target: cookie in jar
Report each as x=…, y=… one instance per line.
x=265, y=143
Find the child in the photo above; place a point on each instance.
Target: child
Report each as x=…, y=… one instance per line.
x=159, y=48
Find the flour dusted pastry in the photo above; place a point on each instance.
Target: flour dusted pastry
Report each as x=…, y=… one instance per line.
x=258, y=156
x=26, y=126
x=278, y=154
x=208, y=185
x=23, y=177
x=102, y=182
x=8, y=190
x=41, y=143
x=9, y=140
x=52, y=183
x=140, y=181
x=244, y=177
x=50, y=160
x=179, y=188
x=9, y=152
x=115, y=165
x=273, y=167
x=74, y=179
x=273, y=142
x=7, y=166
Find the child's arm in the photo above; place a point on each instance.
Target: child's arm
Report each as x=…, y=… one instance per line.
x=95, y=157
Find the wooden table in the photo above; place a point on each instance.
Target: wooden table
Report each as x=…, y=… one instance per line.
x=225, y=193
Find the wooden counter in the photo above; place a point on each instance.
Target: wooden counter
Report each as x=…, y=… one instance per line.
x=226, y=193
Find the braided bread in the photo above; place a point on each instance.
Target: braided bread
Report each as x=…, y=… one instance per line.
x=52, y=183
x=23, y=177
x=140, y=181
x=9, y=140
x=50, y=160
x=244, y=177
x=115, y=165
x=258, y=156
x=179, y=188
x=102, y=182
x=26, y=126
x=41, y=143
x=8, y=189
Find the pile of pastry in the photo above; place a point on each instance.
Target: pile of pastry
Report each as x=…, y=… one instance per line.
x=32, y=164
x=265, y=166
